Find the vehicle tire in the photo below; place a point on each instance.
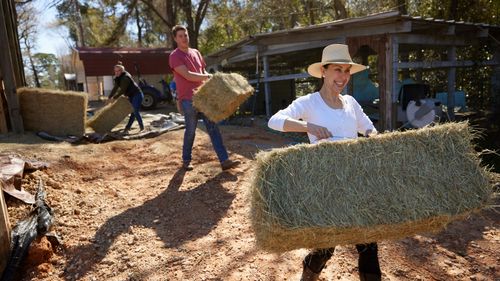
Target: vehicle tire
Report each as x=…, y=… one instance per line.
x=149, y=101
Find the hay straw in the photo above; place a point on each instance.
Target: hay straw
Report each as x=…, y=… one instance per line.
x=220, y=96
x=59, y=113
x=357, y=191
x=110, y=115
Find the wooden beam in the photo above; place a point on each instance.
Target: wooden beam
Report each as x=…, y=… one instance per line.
x=8, y=70
x=282, y=77
x=447, y=64
x=3, y=121
x=17, y=59
x=4, y=233
x=267, y=87
x=495, y=83
x=337, y=32
x=427, y=39
x=386, y=98
x=452, y=56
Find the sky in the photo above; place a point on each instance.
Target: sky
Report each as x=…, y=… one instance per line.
x=50, y=39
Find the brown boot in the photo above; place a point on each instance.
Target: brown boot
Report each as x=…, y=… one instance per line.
x=229, y=164
x=309, y=275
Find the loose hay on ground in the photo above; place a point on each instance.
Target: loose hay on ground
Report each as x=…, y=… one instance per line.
x=56, y=112
x=386, y=187
x=110, y=115
x=220, y=96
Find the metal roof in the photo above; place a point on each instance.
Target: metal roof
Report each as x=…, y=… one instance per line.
x=100, y=61
x=370, y=20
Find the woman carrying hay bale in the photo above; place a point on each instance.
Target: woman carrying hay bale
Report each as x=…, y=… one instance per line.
x=326, y=115
x=124, y=84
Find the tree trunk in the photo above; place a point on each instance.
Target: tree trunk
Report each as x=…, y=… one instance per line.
x=340, y=11
x=402, y=7
x=32, y=64
x=139, y=27
x=193, y=24
x=79, y=23
x=171, y=13
x=453, y=15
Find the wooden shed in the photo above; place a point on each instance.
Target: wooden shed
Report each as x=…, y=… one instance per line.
x=94, y=67
x=391, y=36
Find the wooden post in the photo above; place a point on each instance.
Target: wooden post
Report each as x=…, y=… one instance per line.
x=267, y=87
x=3, y=122
x=4, y=233
x=388, y=86
x=495, y=83
x=8, y=68
x=452, y=56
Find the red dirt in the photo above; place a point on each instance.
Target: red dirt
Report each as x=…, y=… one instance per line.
x=126, y=211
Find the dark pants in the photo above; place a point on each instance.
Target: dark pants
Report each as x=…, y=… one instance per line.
x=136, y=101
x=367, y=262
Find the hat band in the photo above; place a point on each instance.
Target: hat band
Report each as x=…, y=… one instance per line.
x=338, y=61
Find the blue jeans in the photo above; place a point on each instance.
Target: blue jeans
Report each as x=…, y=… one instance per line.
x=136, y=101
x=191, y=119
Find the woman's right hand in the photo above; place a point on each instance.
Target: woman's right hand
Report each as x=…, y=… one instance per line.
x=318, y=131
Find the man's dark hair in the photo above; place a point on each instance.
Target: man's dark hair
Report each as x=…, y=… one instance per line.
x=177, y=28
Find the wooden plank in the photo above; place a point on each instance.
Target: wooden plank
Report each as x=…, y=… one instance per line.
x=267, y=87
x=4, y=233
x=8, y=71
x=3, y=117
x=387, y=95
x=428, y=39
x=281, y=77
x=447, y=64
x=495, y=82
x=11, y=26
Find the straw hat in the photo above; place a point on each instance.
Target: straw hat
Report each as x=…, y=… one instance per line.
x=334, y=53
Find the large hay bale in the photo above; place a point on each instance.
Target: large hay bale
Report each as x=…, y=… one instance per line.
x=220, y=96
x=110, y=115
x=56, y=112
x=387, y=187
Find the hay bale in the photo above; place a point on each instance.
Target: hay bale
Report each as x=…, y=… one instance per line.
x=357, y=191
x=110, y=115
x=220, y=96
x=56, y=112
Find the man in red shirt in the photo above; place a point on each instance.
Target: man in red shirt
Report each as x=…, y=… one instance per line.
x=189, y=72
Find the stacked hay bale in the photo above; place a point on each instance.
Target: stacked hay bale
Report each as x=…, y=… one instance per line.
x=56, y=112
x=220, y=96
x=111, y=115
x=357, y=191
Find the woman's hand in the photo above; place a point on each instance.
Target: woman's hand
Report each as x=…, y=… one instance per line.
x=370, y=133
x=318, y=131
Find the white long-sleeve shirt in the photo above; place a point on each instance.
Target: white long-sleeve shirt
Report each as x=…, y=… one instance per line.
x=343, y=123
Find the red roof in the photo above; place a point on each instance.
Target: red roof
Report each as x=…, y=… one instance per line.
x=100, y=61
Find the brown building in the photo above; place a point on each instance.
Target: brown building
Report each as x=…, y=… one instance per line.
x=94, y=67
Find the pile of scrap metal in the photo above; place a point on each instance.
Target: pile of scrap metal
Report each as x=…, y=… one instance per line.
x=158, y=124
x=36, y=225
x=40, y=219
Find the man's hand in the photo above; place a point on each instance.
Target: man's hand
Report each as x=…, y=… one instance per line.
x=179, y=107
x=318, y=131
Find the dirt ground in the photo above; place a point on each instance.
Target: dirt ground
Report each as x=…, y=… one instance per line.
x=126, y=211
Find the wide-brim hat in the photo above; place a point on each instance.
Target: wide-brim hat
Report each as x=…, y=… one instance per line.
x=334, y=53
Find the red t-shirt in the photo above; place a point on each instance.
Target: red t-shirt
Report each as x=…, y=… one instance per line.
x=194, y=62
